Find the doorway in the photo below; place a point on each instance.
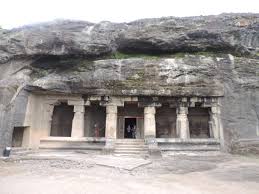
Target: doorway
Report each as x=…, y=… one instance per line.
x=62, y=119
x=17, y=138
x=130, y=127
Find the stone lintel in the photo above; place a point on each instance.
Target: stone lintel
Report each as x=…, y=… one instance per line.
x=95, y=98
x=59, y=98
x=103, y=103
x=149, y=104
x=79, y=102
x=130, y=99
x=110, y=100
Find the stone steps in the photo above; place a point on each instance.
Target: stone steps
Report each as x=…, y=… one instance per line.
x=130, y=147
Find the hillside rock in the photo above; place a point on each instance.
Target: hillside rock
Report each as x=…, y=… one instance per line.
x=231, y=33
x=150, y=57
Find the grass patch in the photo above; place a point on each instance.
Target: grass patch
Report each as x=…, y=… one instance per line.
x=119, y=55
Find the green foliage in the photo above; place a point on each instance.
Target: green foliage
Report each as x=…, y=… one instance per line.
x=119, y=55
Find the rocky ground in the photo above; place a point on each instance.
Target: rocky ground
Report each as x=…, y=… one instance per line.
x=81, y=172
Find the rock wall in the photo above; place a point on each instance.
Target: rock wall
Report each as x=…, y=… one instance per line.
x=193, y=56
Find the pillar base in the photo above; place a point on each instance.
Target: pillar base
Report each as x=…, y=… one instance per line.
x=153, y=148
x=109, y=146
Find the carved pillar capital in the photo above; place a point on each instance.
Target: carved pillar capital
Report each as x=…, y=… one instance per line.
x=150, y=110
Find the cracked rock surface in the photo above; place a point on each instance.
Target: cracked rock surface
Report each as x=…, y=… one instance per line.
x=192, y=56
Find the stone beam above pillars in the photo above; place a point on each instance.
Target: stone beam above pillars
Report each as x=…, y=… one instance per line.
x=182, y=123
x=110, y=100
x=78, y=120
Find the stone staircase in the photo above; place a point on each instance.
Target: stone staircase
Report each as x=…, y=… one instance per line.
x=131, y=147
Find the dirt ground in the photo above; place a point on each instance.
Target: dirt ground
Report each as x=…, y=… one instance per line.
x=84, y=173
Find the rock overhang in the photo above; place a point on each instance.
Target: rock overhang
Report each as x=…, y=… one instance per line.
x=192, y=75
x=143, y=57
x=229, y=33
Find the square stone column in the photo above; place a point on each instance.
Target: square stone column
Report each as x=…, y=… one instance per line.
x=111, y=122
x=182, y=123
x=111, y=128
x=215, y=122
x=150, y=130
x=149, y=122
x=78, y=121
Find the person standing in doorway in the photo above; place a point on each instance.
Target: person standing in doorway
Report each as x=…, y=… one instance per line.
x=96, y=130
x=134, y=132
x=128, y=132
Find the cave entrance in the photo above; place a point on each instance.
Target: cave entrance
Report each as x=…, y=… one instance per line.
x=17, y=138
x=62, y=120
x=130, y=126
x=95, y=120
x=199, y=122
x=133, y=116
x=165, y=122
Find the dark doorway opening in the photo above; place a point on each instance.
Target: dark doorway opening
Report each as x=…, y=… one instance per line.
x=199, y=122
x=130, y=128
x=17, y=136
x=95, y=120
x=62, y=120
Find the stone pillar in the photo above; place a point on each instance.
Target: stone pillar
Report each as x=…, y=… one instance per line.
x=182, y=123
x=111, y=127
x=150, y=130
x=48, y=117
x=111, y=122
x=78, y=121
x=149, y=122
x=214, y=122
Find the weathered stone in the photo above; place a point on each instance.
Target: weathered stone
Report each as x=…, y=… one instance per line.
x=222, y=33
x=83, y=58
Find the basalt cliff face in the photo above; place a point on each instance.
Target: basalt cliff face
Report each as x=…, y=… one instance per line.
x=193, y=56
